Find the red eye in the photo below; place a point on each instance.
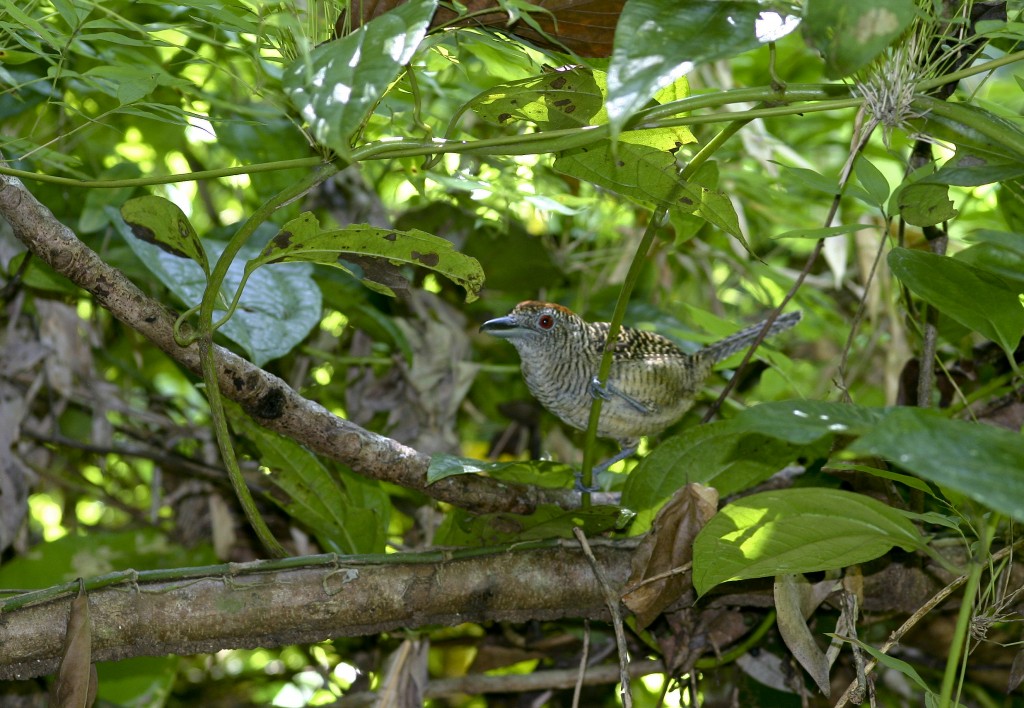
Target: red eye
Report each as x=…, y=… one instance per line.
x=546, y=322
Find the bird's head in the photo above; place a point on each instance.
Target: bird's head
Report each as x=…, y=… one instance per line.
x=533, y=325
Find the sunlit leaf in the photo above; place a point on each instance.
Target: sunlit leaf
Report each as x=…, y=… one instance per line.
x=554, y=100
x=340, y=82
x=675, y=37
x=796, y=531
x=722, y=455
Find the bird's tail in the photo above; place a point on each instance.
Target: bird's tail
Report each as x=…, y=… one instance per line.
x=745, y=337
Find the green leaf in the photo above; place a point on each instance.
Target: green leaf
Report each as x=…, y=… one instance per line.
x=997, y=252
x=302, y=239
x=278, y=308
x=562, y=99
x=347, y=513
x=852, y=34
x=973, y=297
x=969, y=170
x=796, y=531
x=721, y=455
x=656, y=41
x=969, y=127
x=160, y=222
x=540, y=472
x=802, y=422
x=872, y=179
x=925, y=204
x=337, y=86
x=98, y=553
x=644, y=173
x=825, y=231
x=460, y=528
x=982, y=462
x=718, y=209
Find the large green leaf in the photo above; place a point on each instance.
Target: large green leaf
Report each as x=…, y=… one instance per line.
x=347, y=513
x=722, y=455
x=998, y=252
x=302, y=239
x=925, y=204
x=277, y=310
x=803, y=422
x=796, y=531
x=973, y=297
x=340, y=82
x=656, y=41
x=645, y=173
x=982, y=462
x=851, y=34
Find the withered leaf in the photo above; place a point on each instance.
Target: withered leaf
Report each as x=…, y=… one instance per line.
x=668, y=546
x=76, y=678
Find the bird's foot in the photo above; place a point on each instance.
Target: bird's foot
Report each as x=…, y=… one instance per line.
x=595, y=487
x=601, y=468
x=599, y=391
x=606, y=393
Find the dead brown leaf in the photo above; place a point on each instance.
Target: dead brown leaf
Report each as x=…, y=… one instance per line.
x=75, y=686
x=586, y=27
x=666, y=550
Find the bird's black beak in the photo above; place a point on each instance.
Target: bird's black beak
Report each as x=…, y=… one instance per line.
x=500, y=326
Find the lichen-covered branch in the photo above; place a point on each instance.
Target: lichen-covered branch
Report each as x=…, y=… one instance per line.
x=245, y=608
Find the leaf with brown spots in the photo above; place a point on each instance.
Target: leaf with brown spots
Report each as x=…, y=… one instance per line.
x=160, y=222
x=551, y=101
x=361, y=244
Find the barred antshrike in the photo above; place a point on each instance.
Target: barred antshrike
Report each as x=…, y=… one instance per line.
x=652, y=381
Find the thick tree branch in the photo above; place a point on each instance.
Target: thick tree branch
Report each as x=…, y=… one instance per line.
x=265, y=397
x=245, y=606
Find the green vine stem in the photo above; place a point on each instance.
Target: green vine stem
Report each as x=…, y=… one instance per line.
x=632, y=275
x=828, y=97
x=208, y=355
x=958, y=645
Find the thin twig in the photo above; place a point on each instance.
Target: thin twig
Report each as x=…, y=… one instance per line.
x=584, y=656
x=613, y=607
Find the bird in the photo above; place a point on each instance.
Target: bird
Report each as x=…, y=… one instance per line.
x=652, y=382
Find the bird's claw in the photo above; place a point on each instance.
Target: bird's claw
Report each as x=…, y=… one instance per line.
x=599, y=391
x=595, y=487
